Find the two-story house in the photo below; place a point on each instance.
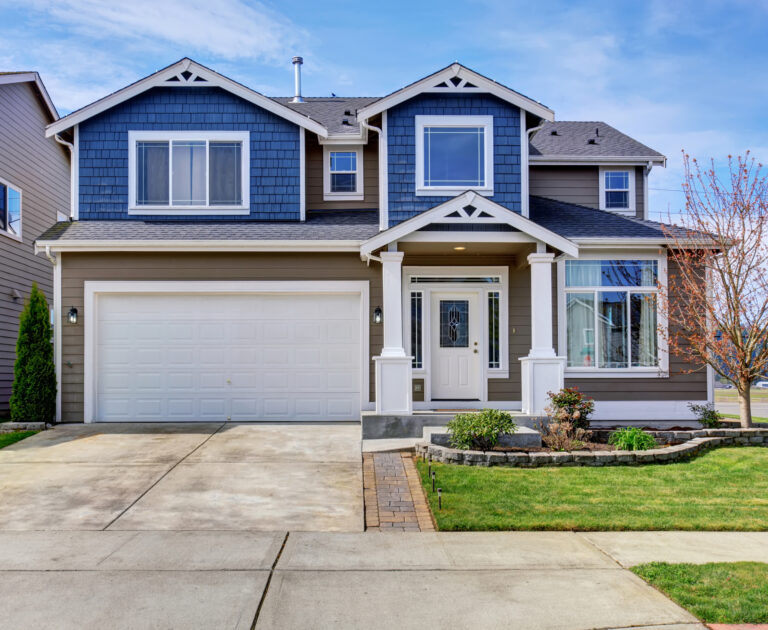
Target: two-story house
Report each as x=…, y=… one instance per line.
x=34, y=193
x=236, y=257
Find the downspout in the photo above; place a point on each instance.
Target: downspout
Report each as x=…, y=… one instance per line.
x=71, y=148
x=646, y=173
x=382, y=166
x=50, y=256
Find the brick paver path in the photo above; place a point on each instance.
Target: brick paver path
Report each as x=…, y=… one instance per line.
x=394, y=499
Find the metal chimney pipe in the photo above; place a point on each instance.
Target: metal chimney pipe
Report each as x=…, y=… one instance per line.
x=297, y=98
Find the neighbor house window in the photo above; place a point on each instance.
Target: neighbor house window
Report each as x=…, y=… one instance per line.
x=611, y=317
x=343, y=173
x=454, y=154
x=617, y=189
x=10, y=210
x=188, y=171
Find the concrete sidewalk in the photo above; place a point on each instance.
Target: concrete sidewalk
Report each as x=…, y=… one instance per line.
x=227, y=579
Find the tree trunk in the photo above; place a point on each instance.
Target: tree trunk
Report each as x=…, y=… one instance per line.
x=745, y=408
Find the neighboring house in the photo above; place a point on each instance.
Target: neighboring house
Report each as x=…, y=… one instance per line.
x=34, y=194
x=238, y=257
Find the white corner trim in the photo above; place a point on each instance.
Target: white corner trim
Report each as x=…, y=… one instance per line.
x=486, y=122
x=631, y=177
x=244, y=137
x=483, y=84
x=359, y=193
x=58, y=322
x=302, y=174
x=210, y=78
x=75, y=170
x=524, y=187
x=93, y=289
x=496, y=214
x=383, y=174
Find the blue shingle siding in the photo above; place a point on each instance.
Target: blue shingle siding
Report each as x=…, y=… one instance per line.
x=401, y=136
x=104, y=150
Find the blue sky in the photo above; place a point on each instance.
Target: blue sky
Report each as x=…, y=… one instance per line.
x=675, y=74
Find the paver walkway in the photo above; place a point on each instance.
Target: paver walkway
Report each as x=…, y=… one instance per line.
x=394, y=499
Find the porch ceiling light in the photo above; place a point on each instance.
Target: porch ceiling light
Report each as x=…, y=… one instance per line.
x=72, y=316
x=377, y=315
x=460, y=248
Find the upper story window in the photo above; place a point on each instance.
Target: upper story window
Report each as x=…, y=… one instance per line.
x=188, y=172
x=617, y=189
x=454, y=154
x=343, y=173
x=10, y=210
x=611, y=314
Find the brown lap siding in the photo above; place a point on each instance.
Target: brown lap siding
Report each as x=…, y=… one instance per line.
x=79, y=268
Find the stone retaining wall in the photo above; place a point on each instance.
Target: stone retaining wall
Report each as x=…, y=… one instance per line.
x=10, y=427
x=686, y=444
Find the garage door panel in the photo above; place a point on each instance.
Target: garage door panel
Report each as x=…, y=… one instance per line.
x=242, y=356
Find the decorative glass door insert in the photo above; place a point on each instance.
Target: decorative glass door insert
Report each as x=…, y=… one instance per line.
x=454, y=323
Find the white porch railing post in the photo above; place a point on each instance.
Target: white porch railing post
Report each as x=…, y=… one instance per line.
x=393, y=367
x=542, y=369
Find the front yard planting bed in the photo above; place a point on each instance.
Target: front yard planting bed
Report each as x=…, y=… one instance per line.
x=724, y=489
x=6, y=439
x=723, y=592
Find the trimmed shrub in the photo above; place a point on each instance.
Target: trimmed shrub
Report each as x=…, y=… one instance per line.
x=632, y=439
x=570, y=405
x=480, y=431
x=706, y=414
x=34, y=375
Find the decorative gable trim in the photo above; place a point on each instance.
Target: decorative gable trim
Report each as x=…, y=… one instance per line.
x=185, y=73
x=456, y=79
x=469, y=208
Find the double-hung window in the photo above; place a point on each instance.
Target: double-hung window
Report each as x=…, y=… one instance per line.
x=617, y=189
x=10, y=210
x=343, y=173
x=188, y=172
x=454, y=154
x=611, y=320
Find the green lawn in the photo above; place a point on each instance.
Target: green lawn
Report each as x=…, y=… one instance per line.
x=6, y=439
x=727, y=592
x=735, y=417
x=725, y=489
x=730, y=395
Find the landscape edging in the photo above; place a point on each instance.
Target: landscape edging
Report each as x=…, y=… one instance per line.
x=685, y=444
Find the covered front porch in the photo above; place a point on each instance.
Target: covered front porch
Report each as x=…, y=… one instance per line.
x=467, y=313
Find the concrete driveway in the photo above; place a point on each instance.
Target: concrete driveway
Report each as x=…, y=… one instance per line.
x=256, y=477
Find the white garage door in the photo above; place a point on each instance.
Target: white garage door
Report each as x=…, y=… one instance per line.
x=227, y=356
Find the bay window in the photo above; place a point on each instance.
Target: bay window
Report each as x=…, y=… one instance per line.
x=610, y=309
x=454, y=154
x=188, y=172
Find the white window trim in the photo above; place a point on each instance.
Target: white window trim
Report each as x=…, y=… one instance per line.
x=170, y=136
x=94, y=289
x=482, y=289
x=16, y=237
x=453, y=121
x=662, y=370
x=359, y=193
x=618, y=169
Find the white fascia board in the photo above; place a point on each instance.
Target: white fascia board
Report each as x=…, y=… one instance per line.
x=499, y=214
x=484, y=85
x=159, y=79
x=344, y=139
x=198, y=246
x=32, y=77
x=597, y=160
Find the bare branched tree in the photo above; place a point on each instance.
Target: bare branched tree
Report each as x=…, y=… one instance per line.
x=718, y=274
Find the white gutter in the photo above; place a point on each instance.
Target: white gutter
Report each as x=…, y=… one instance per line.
x=197, y=246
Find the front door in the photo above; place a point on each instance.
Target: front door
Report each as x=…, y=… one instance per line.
x=455, y=348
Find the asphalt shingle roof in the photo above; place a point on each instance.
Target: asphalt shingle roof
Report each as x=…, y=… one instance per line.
x=575, y=221
x=320, y=226
x=330, y=111
x=573, y=139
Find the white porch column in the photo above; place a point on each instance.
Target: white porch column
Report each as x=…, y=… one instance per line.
x=542, y=369
x=393, y=367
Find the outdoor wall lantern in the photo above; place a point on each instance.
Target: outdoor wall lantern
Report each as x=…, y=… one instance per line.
x=377, y=315
x=72, y=315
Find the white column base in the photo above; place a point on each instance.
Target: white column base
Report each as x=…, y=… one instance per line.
x=540, y=375
x=393, y=384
